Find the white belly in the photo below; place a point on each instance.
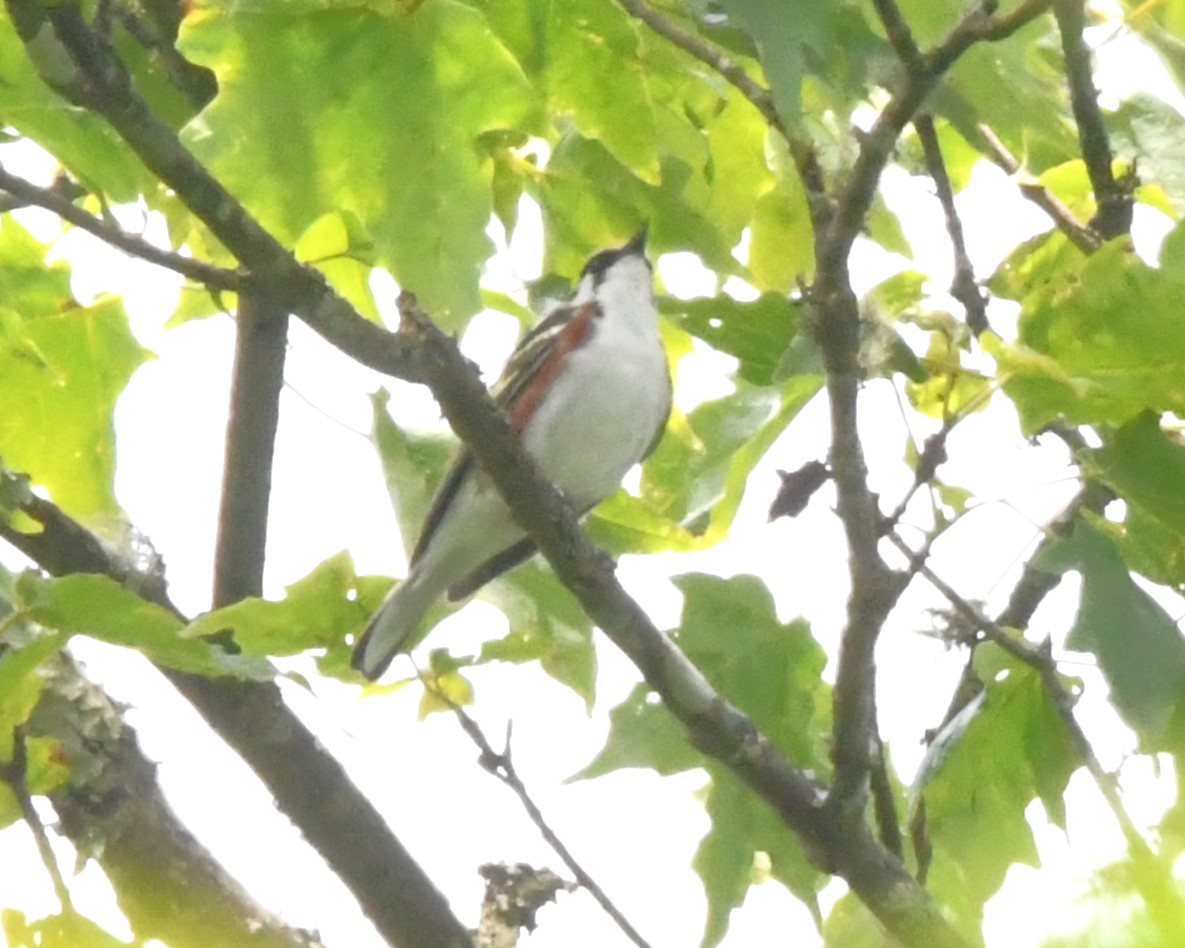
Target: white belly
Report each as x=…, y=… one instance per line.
x=602, y=413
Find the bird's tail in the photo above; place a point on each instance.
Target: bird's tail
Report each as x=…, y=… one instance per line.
x=391, y=628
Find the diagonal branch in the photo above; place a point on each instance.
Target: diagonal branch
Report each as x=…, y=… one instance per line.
x=1079, y=234
x=715, y=726
x=309, y=785
x=501, y=765
x=168, y=885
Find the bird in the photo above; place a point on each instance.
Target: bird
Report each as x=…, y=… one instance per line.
x=588, y=392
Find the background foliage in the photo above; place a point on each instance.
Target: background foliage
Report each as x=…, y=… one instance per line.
x=763, y=138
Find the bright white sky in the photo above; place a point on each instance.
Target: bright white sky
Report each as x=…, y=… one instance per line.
x=635, y=833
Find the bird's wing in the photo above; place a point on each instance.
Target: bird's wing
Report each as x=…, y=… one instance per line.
x=529, y=372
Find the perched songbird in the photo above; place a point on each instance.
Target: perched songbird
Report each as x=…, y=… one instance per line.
x=588, y=392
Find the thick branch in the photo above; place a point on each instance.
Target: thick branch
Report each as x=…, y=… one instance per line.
x=1114, y=216
x=261, y=338
x=715, y=726
x=836, y=322
x=168, y=885
x=309, y=785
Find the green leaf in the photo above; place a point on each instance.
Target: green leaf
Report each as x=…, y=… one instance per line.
x=782, y=251
x=771, y=671
x=698, y=474
x=1139, y=648
x=337, y=244
x=1153, y=133
x=1004, y=749
x=756, y=332
x=591, y=200
x=589, y=41
x=317, y=611
x=370, y=110
x=21, y=682
x=643, y=733
x=626, y=524
x=80, y=139
x=1146, y=467
x=949, y=389
x=1016, y=88
x=783, y=33
x=1100, y=343
x=97, y=606
x=547, y=625
x=69, y=930
x=62, y=367
x=412, y=465
x=445, y=688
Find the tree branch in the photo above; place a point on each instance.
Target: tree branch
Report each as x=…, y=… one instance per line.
x=1114, y=216
x=15, y=773
x=501, y=765
x=168, y=885
x=1063, y=218
x=715, y=726
x=51, y=199
x=261, y=338
x=900, y=35
x=309, y=785
x=964, y=287
x=836, y=323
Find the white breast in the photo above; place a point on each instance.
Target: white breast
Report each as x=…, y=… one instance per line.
x=614, y=392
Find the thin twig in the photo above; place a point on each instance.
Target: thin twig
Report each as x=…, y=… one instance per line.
x=1038, y=658
x=15, y=774
x=51, y=199
x=502, y=766
x=1063, y=218
x=1155, y=886
x=964, y=287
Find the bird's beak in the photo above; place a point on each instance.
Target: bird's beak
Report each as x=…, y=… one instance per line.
x=637, y=243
